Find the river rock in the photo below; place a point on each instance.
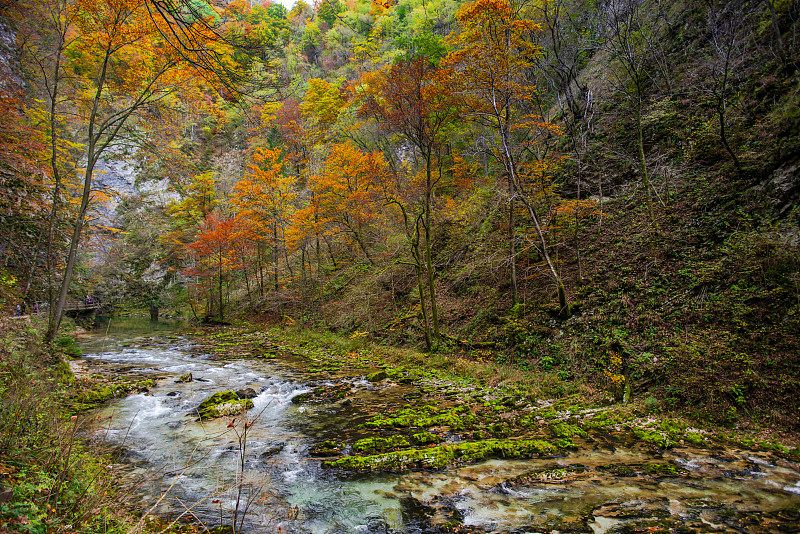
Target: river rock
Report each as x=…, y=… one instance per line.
x=247, y=393
x=186, y=377
x=377, y=376
x=272, y=450
x=223, y=403
x=325, y=449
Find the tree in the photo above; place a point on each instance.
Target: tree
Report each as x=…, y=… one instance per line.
x=412, y=100
x=346, y=191
x=633, y=33
x=216, y=256
x=111, y=58
x=265, y=199
x=728, y=51
x=320, y=108
x=492, y=55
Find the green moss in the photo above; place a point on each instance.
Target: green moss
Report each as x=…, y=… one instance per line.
x=658, y=439
x=444, y=455
x=69, y=346
x=223, y=403
x=426, y=438
x=458, y=418
x=603, y=420
x=562, y=429
x=672, y=426
x=377, y=445
x=300, y=398
x=695, y=439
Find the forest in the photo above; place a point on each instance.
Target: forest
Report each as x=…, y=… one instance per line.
x=598, y=192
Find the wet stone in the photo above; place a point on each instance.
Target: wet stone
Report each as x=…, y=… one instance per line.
x=247, y=393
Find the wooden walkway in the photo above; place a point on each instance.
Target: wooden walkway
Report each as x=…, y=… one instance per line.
x=81, y=306
x=75, y=307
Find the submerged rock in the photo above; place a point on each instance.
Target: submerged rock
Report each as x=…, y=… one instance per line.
x=272, y=450
x=247, y=393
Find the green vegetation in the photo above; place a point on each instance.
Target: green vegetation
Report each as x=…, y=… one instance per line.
x=223, y=404
x=445, y=455
x=50, y=481
x=614, y=255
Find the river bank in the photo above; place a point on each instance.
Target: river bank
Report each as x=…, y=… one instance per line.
x=346, y=434
x=443, y=444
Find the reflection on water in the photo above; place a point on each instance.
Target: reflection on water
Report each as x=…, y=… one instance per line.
x=206, y=467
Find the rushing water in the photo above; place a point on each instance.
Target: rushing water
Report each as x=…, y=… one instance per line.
x=177, y=463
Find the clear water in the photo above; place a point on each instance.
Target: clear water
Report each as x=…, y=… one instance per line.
x=178, y=464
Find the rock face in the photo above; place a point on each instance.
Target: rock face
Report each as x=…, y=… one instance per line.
x=782, y=189
x=222, y=404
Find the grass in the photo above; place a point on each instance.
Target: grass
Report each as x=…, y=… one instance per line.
x=51, y=481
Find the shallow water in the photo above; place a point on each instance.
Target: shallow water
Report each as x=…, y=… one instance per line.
x=205, y=467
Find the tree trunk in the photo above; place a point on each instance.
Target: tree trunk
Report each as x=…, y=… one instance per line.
x=642, y=161
x=428, y=260
x=509, y=163
x=275, y=255
x=512, y=249
x=221, y=301
x=55, y=319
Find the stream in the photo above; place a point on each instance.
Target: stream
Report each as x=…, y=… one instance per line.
x=266, y=476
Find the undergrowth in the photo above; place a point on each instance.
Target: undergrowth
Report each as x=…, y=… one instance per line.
x=50, y=482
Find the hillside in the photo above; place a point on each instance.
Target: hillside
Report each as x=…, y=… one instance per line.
x=606, y=197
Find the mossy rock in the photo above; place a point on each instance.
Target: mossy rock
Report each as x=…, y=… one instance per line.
x=377, y=445
x=444, y=455
x=222, y=404
x=549, y=475
x=457, y=418
x=499, y=430
x=562, y=429
x=653, y=469
x=300, y=398
x=325, y=448
x=426, y=438
x=659, y=439
x=377, y=376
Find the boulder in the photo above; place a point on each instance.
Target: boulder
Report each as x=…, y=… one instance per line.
x=223, y=403
x=247, y=393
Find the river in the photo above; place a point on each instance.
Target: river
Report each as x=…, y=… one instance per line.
x=265, y=477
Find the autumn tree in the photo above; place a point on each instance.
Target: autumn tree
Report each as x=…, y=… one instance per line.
x=265, y=199
x=24, y=179
x=411, y=99
x=346, y=191
x=216, y=253
x=492, y=54
x=320, y=108
x=110, y=59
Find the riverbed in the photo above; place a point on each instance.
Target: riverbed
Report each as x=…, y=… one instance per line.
x=259, y=469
